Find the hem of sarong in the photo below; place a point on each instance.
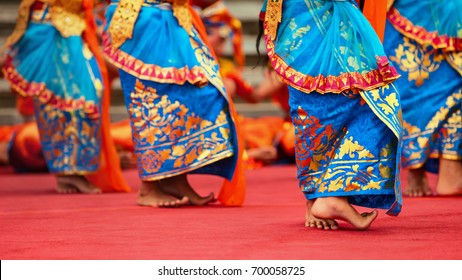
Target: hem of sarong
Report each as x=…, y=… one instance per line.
x=176, y=172
x=388, y=192
x=434, y=156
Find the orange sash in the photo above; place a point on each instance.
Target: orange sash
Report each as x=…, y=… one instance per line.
x=109, y=176
x=376, y=13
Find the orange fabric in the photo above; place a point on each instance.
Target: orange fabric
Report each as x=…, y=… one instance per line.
x=281, y=98
x=121, y=133
x=232, y=193
x=228, y=70
x=260, y=132
x=27, y=142
x=25, y=146
x=376, y=13
x=288, y=139
x=265, y=132
x=6, y=132
x=25, y=105
x=109, y=176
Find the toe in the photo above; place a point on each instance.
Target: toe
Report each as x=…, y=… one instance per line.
x=333, y=225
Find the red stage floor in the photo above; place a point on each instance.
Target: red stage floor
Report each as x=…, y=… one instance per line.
x=37, y=223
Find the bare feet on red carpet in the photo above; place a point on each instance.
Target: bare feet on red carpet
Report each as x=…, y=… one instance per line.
x=417, y=183
x=449, y=177
x=338, y=208
x=152, y=195
x=313, y=222
x=178, y=186
x=68, y=184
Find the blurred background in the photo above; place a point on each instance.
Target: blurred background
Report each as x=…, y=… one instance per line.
x=245, y=10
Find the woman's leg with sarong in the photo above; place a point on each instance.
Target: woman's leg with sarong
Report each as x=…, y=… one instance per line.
x=71, y=147
x=345, y=155
x=177, y=129
x=431, y=94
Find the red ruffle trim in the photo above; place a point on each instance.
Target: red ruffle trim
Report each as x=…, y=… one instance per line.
x=421, y=35
x=385, y=74
x=39, y=90
x=152, y=72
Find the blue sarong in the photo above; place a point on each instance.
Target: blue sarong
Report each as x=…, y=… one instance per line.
x=424, y=39
x=62, y=75
x=175, y=97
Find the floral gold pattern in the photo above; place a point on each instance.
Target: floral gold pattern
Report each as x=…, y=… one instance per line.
x=345, y=159
x=418, y=62
x=170, y=139
x=444, y=128
x=70, y=141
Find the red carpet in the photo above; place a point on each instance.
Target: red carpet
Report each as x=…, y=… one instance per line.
x=37, y=223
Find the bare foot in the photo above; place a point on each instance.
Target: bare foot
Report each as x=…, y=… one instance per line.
x=152, y=195
x=75, y=184
x=178, y=186
x=313, y=222
x=339, y=208
x=417, y=183
x=449, y=177
x=66, y=188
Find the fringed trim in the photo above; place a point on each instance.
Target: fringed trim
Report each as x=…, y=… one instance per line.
x=421, y=35
x=46, y=96
x=152, y=72
x=385, y=74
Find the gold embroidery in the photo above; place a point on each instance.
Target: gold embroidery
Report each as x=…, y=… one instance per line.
x=443, y=129
x=123, y=21
x=181, y=12
x=416, y=61
x=68, y=17
x=167, y=133
x=455, y=60
x=70, y=141
x=273, y=17
x=350, y=148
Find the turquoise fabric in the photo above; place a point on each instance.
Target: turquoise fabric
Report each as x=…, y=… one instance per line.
x=333, y=36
